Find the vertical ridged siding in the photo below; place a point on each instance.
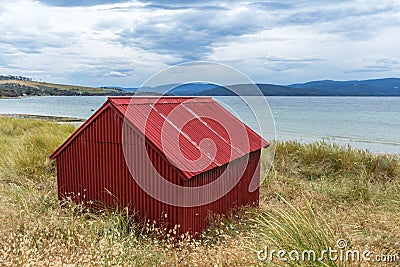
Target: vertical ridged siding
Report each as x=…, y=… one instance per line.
x=195, y=217
x=92, y=170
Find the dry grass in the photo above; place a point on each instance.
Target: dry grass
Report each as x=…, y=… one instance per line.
x=314, y=195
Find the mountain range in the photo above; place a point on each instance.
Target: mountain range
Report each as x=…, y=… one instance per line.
x=13, y=86
x=375, y=87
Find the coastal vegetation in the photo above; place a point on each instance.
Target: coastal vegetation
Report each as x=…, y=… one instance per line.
x=314, y=195
x=16, y=86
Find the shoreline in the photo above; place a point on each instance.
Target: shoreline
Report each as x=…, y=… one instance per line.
x=44, y=117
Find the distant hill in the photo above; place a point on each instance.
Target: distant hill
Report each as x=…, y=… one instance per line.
x=15, y=86
x=119, y=88
x=208, y=89
x=171, y=89
x=375, y=87
x=247, y=89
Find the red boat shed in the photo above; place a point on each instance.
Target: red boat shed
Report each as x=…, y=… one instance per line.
x=192, y=143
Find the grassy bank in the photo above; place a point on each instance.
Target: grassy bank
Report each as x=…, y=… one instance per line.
x=11, y=87
x=314, y=195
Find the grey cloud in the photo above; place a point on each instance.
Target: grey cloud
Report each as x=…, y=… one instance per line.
x=292, y=60
x=151, y=4
x=272, y=5
x=180, y=7
x=31, y=43
x=177, y=2
x=115, y=73
x=22, y=44
x=285, y=63
x=165, y=7
x=349, y=19
x=108, y=66
x=3, y=59
x=190, y=35
x=193, y=33
x=353, y=22
x=72, y=3
x=292, y=4
x=320, y=14
x=381, y=65
x=180, y=40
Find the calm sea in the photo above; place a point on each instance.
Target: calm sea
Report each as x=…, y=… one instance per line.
x=364, y=122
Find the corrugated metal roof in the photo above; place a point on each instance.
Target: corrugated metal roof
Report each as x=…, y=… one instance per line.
x=187, y=121
x=181, y=124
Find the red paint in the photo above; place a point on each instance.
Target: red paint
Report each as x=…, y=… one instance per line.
x=91, y=167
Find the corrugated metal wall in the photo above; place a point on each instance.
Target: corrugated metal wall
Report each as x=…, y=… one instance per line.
x=92, y=170
x=238, y=196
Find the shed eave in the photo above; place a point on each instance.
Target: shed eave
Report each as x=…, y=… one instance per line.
x=188, y=175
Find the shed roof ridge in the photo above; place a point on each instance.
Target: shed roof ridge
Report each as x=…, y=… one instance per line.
x=164, y=103
x=159, y=99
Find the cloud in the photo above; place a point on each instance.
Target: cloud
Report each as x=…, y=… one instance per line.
x=170, y=6
x=381, y=65
x=72, y=3
x=191, y=34
x=285, y=64
x=116, y=74
x=125, y=41
x=30, y=43
x=177, y=2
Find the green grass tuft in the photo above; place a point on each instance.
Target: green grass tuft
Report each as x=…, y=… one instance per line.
x=295, y=229
x=26, y=147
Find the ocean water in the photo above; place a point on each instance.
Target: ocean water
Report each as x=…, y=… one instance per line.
x=371, y=123
x=364, y=122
